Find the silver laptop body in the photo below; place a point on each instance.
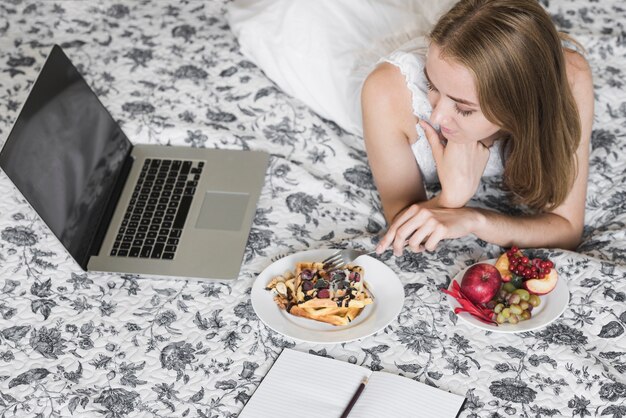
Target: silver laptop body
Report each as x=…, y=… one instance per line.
x=145, y=209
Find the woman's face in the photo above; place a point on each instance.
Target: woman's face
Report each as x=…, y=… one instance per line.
x=454, y=99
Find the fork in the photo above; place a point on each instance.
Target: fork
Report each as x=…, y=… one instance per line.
x=340, y=258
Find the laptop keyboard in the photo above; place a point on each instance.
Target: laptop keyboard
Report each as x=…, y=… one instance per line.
x=156, y=213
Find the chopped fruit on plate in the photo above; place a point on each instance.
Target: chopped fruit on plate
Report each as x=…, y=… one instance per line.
x=537, y=276
x=502, y=264
x=544, y=285
x=506, y=292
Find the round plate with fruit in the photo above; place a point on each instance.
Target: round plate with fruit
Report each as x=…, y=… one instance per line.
x=513, y=293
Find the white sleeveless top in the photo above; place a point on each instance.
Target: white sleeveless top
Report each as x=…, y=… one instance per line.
x=410, y=59
x=274, y=33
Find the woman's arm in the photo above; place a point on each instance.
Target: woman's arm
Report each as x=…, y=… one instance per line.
x=388, y=130
x=561, y=227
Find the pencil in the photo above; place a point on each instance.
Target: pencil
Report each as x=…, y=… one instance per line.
x=355, y=398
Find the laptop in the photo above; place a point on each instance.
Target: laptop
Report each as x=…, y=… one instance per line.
x=117, y=207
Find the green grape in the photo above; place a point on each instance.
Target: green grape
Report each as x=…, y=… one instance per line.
x=506, y=312
x=513, y=319
x=508, y=287
x=524, y=305
x=514, y=299
x=523, y=294
x=515, y=309
x=534, y=300
x=500, y=319
x=498, y=308
x=526, y=315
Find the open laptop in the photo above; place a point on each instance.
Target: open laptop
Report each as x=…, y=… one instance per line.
x=119, y=207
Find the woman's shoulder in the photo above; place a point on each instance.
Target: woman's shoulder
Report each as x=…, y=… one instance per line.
x=386, y=82
x=580, y=80
x=578, y=69
x=385, y=89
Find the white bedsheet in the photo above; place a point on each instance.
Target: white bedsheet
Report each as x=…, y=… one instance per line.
x=78, y=344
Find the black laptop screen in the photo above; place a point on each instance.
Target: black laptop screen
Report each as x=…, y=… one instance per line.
x=65, y=153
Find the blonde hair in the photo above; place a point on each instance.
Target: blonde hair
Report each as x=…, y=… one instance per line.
x=515, y=54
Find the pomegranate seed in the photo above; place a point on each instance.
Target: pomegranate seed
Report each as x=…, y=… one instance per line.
x=525, y=260
x=514, y=249
x=549, y=264
x=511, y=267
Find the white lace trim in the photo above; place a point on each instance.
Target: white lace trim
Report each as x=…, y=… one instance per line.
x=412, y=68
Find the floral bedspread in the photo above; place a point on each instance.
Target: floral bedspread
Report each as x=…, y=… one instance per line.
x=81, y=344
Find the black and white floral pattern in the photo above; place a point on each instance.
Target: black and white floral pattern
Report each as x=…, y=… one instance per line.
x=73, y=343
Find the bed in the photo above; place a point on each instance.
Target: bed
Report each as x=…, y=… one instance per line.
x=84, y=344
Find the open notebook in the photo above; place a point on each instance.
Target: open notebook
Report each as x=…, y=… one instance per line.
x=305, y=385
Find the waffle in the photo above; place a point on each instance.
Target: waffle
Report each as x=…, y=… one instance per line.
x=336, y=297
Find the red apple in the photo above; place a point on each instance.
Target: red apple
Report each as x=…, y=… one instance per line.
x=481, y=282
x=542, y=286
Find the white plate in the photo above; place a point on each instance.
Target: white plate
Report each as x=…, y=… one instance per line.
x=382, y=282
x=552, y=306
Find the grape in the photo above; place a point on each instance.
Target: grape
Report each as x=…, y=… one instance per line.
x=513, y=304
x=508, y=287
x=523, y=293
x=534, y=300
x=514, y=299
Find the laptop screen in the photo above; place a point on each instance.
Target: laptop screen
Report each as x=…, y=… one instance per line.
x=65, y=153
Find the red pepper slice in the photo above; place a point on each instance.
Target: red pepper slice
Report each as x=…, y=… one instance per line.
x=482, y=313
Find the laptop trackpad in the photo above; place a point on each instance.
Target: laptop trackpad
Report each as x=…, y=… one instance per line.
x=223, y=210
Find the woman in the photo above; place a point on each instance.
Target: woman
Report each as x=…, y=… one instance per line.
x=510, y=97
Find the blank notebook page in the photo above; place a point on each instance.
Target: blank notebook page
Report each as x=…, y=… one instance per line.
x=304, y=385
x=389, y=395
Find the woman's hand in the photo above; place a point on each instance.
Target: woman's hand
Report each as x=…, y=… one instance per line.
x=459, y=166
x=422, y=227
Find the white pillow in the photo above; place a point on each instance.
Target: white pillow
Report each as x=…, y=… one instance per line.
x=320, y=51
